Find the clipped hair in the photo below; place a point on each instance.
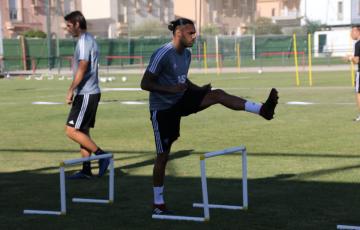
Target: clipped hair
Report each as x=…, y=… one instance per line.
x=76, y=16
x=179, y=22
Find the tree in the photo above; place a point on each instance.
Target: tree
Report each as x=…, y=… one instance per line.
x=34, y=34
x=312, y=26
x=210, y=30
x=150, y=28
x=264, y=26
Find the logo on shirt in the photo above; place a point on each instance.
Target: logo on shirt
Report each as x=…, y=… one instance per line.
x=182, y=78
x=71, y=122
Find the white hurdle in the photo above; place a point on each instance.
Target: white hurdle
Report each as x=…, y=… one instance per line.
x=205, y=205
x=82, y=200
x=348, y=227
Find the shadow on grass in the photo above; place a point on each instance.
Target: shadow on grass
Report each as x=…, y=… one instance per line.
x=279, y=202
x=173, y=156
x=140, y=152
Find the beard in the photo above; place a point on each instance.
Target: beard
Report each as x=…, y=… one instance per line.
x=187, y=44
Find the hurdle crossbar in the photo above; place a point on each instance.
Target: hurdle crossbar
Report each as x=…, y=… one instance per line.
x=82, y=200
x=111, y=185
x=205, y=205
x=348, y=227
x=223, y=152
x=84, y=159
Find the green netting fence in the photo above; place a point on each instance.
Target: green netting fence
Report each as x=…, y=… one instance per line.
x=270, y=50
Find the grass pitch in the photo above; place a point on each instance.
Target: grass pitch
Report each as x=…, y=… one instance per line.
x=303, y=166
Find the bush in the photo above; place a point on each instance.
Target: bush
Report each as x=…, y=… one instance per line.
x=210, y=30
x=264, y=26
x=150, y=28
x=34, y=34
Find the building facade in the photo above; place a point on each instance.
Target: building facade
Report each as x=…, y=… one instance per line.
x=285, y=13
x=19, y=16
x=332, y=13
x=115, y=18
x=229, y=16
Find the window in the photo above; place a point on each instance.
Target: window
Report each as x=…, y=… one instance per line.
x=13, y=10
x=137, y=6
x=67, y=9
x=149, y=6
x=227, y=4
x=340, y=11
x=53, y=3
x=35, y=2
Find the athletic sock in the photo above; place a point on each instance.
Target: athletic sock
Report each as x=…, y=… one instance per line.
x=158, y=195
x=87, y=167
x=99, y=151
x=252, y=107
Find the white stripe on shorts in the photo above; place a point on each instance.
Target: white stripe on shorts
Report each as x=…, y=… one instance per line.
x=357, y=83
x=159, y=148
x=84, y=106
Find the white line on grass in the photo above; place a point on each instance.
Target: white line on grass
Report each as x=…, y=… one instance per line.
x=46, y=103
x=316, y=103
x=60, y=103
x=133, y=102
x=120, y=89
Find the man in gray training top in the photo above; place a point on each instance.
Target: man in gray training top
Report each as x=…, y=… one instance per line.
x=85, y=86
x=173, y=95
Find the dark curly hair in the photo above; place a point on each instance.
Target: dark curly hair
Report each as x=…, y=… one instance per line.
x=76, y=16
x=179, y=22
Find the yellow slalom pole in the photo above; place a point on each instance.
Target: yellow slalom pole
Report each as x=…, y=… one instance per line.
x=217, y=55
x=352, y=66
x=296, y=61
x=238, y=56
x=352, y=74
x=310, y=59
x=205, y=58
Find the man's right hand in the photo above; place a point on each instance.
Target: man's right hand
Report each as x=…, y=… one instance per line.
x=69, y=97
x=178, y=88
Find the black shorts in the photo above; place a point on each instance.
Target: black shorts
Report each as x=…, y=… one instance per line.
x=166, y=123
x=83, y=111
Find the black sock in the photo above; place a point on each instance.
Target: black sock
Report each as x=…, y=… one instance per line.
x=86, y=167
x=99, y=151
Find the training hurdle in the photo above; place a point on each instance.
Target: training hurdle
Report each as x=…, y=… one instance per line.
x=348, y=227
x=205, y=205
x=63, y=164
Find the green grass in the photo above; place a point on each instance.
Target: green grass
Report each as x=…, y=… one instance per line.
x=303, y=166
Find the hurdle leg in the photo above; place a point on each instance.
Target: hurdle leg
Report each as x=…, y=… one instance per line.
x=111, y=189
x=111, y=181
x=348, y=227
x=205, y=200
x=204, y=190
x=62, y=199
x=244, y=179
x=62, y=191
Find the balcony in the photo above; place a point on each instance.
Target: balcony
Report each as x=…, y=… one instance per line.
x=122, y=28
x=21, y=19
x=288, y=18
